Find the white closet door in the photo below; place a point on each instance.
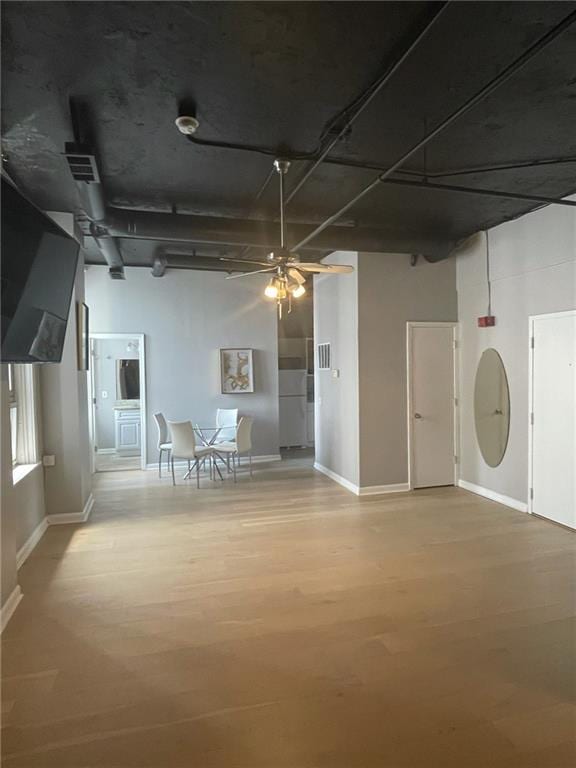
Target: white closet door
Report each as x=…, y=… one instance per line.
x=554, y=418
x=431, y=371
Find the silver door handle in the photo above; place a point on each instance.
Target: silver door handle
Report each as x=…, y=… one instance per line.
x=417, y=415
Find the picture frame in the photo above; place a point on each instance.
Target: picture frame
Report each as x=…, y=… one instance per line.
x=236, y=371
x=82, y=336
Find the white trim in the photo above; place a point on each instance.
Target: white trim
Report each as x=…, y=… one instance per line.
x=73, y=517
x=456, y=393
x=20, y=471
x=508, y=501
x=337, y=478
x=361, y=490
x=376, y=490
x=105, y=450
x=26, y=549
x=10, y=606
x=184, y=464
x=531, y=330
x=141, y=338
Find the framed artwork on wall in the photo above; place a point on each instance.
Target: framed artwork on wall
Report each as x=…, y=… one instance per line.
x=82, y=336
x=236, y=371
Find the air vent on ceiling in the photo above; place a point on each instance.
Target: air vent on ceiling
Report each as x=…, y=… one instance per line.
x=324, y=356
x=83, y=167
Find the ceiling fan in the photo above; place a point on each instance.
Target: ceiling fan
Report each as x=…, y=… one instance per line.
x=289, y=280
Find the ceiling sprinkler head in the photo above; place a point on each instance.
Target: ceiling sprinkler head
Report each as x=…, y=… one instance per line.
x=187, y=124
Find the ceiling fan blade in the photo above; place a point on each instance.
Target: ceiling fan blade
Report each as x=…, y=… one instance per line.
x=240, y=260
x=254, y=272
x=297, y=276
x=335, y=269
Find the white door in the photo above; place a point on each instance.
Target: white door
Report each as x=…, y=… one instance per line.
x=431, y=403
x=554, y=418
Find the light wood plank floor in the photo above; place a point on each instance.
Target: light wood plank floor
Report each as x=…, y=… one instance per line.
x=284, y=623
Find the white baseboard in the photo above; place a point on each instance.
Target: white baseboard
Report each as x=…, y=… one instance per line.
x=362, y=490
x=73, y=517
x=376, y=490
x=26, y=549
x=106, y=450
x=337, y=478
x=243, y=458
x=10, y=606
x=521, y=506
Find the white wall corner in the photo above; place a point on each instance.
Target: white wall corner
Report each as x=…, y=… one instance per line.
x=31, y=542
x=73, y=517
x=507, y=501
x=10, y=606
x=337, y=478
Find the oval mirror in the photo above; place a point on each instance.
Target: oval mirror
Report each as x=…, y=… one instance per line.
x=491, y=407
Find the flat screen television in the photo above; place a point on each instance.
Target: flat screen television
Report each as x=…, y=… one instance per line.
x=38, y=267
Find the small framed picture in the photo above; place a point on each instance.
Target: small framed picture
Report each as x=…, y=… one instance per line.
x=236, y=371
x=82, y=334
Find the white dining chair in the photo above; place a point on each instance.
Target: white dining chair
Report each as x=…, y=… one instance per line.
x=184, y=447
x=227, y=421
x=164, y=443
x=242, y=444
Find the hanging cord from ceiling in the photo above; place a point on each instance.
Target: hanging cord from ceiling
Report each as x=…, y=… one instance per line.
x=488, y=281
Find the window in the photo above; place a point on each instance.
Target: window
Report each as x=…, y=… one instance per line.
x=13, y=401
x=23, y=416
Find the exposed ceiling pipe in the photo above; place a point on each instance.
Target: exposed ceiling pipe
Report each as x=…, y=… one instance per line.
x=85, y=172
x=479, y=96
x=366, y=98
x=482, y=192
x=164, y=261
x=264, y=234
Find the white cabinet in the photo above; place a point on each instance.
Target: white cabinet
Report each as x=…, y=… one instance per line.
x=127, y=426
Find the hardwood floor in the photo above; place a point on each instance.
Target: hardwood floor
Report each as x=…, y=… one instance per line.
x=283, y=622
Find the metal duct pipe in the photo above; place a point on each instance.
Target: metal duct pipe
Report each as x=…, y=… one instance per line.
x=94, y=205
x=164, y=261
x=264, y=234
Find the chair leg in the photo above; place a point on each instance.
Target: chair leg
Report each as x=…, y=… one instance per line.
x=250, y=462
x=172, y=465
x=234, y=457
x=168, y=455
x=197, y=474
x=160, y=463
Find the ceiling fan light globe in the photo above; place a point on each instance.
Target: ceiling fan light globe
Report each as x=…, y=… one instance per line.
x=298, y=292
x=271, y=291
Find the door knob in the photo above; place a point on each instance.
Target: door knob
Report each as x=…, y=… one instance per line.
x=417, y=416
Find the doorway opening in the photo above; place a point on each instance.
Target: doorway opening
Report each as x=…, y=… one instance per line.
x=117, y=398
x=296, y=379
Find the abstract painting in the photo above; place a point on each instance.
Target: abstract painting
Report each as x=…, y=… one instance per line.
x=236, y=371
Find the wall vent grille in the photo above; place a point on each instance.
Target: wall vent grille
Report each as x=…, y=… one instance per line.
x=324, y=357
x=83, y=167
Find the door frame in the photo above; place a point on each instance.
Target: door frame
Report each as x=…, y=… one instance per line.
x=409, y=399
x=141, y=339
x=531, y=320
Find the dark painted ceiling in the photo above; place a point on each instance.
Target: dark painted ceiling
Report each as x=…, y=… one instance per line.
x=275, y=74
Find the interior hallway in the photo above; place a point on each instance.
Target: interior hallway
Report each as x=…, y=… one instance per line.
x=286, y=622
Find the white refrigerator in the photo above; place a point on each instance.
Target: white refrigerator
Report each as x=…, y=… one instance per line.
x=293, y=408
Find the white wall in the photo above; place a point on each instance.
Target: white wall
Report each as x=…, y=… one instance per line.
x=68, y=484
x=187, y=316
x=533, y=271
x=336, y=399
x=390, y=293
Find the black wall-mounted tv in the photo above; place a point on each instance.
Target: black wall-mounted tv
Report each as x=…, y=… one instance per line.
x=37, y=275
